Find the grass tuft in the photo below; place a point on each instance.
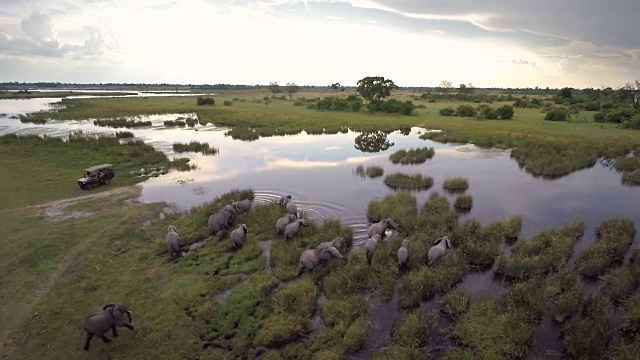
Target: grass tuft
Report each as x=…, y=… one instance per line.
x=456, y=184
x=463, y=202
x=412, y=156
x=456, y=302
x=408, y=182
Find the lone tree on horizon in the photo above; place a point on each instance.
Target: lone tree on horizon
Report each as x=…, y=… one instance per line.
x=445, y=86
x=291, y=89
x=274, y=88
x=375, y=88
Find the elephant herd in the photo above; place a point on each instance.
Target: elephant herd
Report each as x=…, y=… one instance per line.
x=289, y=225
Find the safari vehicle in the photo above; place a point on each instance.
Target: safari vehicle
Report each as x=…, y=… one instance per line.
x=97, y=175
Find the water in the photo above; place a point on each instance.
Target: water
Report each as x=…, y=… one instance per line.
x=318, y=172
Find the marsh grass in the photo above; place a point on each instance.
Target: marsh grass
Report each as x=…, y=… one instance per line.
x=456, y=302
x=413, y=329
x=631, y=319
x=627, y=164
x=195, y=146
x=564, y=290
x=436, y=216
x=463, y=202
x=615, y=235
x=408, y=182
x=456, y=184
x=412, y=156
x=546, y=252
x=632, y=177
x=589, y=333
x=528, y=298
x=554, y=160
x=620, y=283
x=480, y=246
x=425, y=282
x=511, y=227
x=121, y=122
x=490, y=332
x=401, y=207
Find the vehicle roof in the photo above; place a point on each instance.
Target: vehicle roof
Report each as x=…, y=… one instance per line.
x=98, y=167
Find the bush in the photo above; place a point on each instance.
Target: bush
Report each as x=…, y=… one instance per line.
x=351, y=103
x=599, y=117
x=633, y=123
x=447, y=111
x=227, y=103
x=557, y=113
x=505, y=112
x=465, y=111
x=619, y=115
x=205, y=101
x=298, y=103
x=592, y=106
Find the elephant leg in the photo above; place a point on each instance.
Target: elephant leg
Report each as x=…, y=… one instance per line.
x=369, y=257
x=86, y=343
x=105, y=339
x=115, y=332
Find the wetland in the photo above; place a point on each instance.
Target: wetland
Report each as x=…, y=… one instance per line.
x=543, y=214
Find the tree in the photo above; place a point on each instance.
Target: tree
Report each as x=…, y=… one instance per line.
x=274, y=88
x=634, y=93
x=445, y=86
x=375, y=88
x=505, y=112
x=565, y=93
x=291, y=89
x=335, y=86
x=372, y=141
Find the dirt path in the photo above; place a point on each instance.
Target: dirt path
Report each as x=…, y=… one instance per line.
x=55, y=210
x=10, y=338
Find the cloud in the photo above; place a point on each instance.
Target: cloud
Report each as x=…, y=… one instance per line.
x=39, y=27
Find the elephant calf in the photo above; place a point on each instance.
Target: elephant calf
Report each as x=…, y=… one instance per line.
x=111, y=316
x=380, y=227
x=437, y=250
x=282, y=223
x=370, y=246
x=289, y=206
x=221, y=220
x=403, y=254
x=294, y=228
x=312, y=257
x=238, y=235
x=173, y=242
x=336, y=243
x=242, y=206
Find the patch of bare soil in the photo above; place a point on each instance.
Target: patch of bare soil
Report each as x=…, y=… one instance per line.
x=56, y=210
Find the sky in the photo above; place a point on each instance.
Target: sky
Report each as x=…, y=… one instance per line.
x=488, y=43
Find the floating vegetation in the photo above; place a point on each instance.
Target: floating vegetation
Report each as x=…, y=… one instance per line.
x=614, y=236
x=463, y=202
x=28, y=119
x=412, y=156
x=195, y=146
x=456, y=184
x=554, y=160
x=409, y=182
x=371, y=171
x=121, y=122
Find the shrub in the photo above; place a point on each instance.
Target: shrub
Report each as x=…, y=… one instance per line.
x=393, y=106
x=505, y=112
x=298, y=103
x=465, y=111
x=447, y=111
x=619, y=115
x=205, y=101
x=227, y=103
x=592, y=106
x=557, y=113
x=600, y=117
x=351, y=103
x=634, y=123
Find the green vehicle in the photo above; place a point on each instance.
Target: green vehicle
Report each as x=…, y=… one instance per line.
x=97, y=175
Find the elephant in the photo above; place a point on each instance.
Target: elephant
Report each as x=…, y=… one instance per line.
x=312, y=257
x=294, y=228
x=403, y=253
x=111, y=316
x=370, y=246
x=242, y=206
x=238, y=235
x=380, y=227
x=336, y=243
x=223, y=219
x=282, y=223
x=436, y=251
x=173, y=242
x=289, y=206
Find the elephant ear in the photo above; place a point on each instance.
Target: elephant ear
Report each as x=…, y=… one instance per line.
x=334, y=252
x=108, y=306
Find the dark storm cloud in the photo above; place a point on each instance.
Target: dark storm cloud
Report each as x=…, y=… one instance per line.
x=596, y=21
